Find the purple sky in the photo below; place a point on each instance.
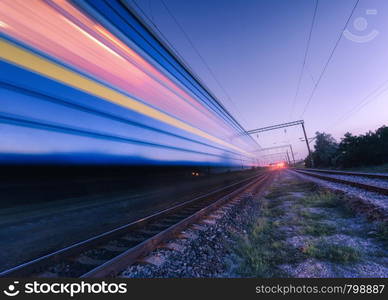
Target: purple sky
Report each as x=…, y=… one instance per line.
x=255, y=48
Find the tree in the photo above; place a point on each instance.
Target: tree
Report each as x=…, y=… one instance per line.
x=325, y=149
x=307, y=161
x=363, y=150
x=368, y=149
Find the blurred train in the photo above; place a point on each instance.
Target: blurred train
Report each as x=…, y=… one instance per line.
x=87, y=82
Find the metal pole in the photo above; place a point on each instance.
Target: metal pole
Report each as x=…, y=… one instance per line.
x=292, y=153
x=308, y=145
x=288, y=158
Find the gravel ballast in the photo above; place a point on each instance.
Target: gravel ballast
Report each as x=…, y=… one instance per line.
x=203, y=248
x=307, y=239
x=376, y=202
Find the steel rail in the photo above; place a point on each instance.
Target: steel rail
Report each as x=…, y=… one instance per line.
x=111, y=267
x=350, y=173
x=119, y=263
x=371, y=188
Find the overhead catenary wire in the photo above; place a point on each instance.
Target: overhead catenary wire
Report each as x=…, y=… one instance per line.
x=201, y=57
x=329, y=59
x=165, y=40
x=185, y=63
x=304, y=59
x=370, y=97
x=150, y=19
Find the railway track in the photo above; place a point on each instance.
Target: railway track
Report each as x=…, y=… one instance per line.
x=107, y=254
x=328, y=175
x=357, y=174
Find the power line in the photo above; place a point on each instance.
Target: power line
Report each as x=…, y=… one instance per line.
x=304, y=59
x=165, y=39
x=162, y=35
x=365, y=101
x=310, y=73
x=186, y=65
x=329, y=59
x=201, y=57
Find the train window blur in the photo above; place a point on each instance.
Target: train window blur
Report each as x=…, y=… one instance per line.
x=82, y=87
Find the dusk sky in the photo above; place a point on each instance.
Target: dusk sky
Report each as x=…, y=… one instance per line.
x=84, y=87
x=82, y=78
x=255, y=48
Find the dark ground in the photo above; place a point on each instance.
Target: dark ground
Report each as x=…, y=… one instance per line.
x=44, y=209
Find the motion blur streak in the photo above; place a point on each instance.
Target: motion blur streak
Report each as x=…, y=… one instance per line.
x=60, y=42
x=33, y=62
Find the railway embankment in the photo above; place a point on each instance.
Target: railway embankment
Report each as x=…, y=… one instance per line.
x=302, y=230
x=296, y=229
